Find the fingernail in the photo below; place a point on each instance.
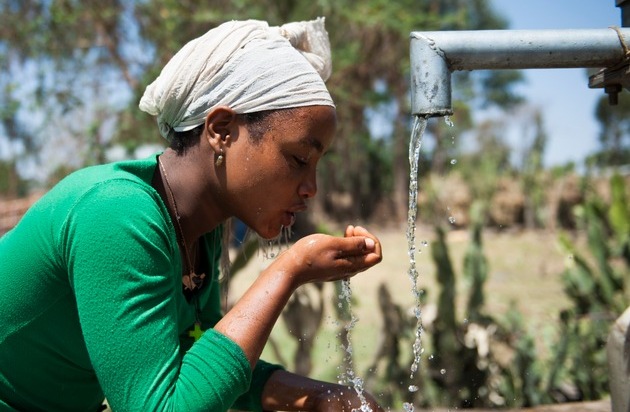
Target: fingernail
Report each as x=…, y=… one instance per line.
x=369, y=243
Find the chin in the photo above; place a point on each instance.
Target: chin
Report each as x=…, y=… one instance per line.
x=269, y=233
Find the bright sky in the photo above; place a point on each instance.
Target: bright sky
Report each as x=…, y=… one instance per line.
x=563, y=94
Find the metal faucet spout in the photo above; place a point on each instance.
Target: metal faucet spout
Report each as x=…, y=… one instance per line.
x=435, y=55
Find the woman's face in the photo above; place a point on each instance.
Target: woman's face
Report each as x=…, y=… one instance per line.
x=269, y=180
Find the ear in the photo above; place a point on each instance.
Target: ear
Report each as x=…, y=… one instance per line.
x=221, y=127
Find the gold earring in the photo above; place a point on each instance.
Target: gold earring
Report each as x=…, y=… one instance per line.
x=219, y=160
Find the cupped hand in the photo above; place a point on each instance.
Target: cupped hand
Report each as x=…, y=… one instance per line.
x=320, y=258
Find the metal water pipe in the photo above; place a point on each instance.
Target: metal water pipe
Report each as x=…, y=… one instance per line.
x=435, y=55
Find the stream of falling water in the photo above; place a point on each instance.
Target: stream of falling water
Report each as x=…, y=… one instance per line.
x=419, y=126
x=349, y=376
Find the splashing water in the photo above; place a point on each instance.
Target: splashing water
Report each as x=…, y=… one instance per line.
x=272, y=247
x=349, y=376
x=419, y=126
x=449, y=123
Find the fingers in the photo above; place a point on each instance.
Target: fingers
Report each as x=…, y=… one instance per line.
x=349, y=231
x=357, y=253
x=354, y=246
x=361, y=231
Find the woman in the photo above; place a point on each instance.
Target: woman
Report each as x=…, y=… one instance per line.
x=107, y=282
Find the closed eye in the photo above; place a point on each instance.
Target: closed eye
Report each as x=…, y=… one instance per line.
x=300, y=161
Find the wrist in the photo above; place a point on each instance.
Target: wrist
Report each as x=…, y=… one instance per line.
x=284, y=273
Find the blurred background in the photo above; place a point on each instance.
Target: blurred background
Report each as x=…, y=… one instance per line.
x=523, y=221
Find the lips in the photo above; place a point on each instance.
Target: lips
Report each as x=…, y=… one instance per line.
x=288, y=218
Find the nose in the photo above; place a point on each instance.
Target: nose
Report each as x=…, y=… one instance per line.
x=308, y=186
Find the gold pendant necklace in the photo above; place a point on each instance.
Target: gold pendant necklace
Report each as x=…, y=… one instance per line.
x=192, y=280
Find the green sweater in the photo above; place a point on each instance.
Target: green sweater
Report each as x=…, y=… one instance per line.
x=91, y=306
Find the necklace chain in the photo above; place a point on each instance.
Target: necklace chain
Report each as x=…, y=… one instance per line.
x=192, y=280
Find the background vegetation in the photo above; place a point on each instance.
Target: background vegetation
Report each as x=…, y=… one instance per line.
x=72, y=72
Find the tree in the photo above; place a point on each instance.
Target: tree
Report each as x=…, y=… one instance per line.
x=92, y=60
x=63, y=57
x=614, y=137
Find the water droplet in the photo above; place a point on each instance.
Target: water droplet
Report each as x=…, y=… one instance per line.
x=451, y=220
x=442, y=371
x=413, y=388
x=431, y=357
x=453, y=161
x=424, y=243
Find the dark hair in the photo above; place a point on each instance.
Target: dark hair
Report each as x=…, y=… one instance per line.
x=256, y=122
x=182, y=141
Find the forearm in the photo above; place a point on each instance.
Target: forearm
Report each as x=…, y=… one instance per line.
x=285, y=391
x=315, y=258
x=252, y=318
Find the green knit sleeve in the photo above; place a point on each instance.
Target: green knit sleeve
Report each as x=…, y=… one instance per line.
x=252, y=400
x=124, y=265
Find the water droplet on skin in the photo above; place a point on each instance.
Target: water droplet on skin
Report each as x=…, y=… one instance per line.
x=442, y=371
x=413, y=388
x=451, y=220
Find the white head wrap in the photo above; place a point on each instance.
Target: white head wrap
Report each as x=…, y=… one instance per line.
x=245, y=65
